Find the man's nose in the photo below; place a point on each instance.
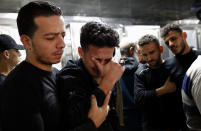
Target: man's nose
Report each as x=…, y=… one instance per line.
x=149, y=57
x=61, y=43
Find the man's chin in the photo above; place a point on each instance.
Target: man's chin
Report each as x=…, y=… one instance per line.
x=152, y=65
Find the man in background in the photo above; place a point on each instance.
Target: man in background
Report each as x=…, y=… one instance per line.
x=153, y=89
x=191, y=90
x=184, y=56
x=9, y=55
x=138, y=54
x=132, y=116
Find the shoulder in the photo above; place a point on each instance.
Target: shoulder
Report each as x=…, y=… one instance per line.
x=170, y=60
x=71, y=68
x=197, y=52
x=130, y=64
x=195, y=68
x=19, y=71
x=142, y=69
x=72, y=73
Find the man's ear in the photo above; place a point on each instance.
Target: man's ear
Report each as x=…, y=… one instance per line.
x=161, y=48
x=26, y=41
x=80, y=52
x=184, y=34
x=131, y=51
x=6, y=54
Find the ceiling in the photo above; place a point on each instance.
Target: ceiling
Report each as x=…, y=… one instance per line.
x=143, y=11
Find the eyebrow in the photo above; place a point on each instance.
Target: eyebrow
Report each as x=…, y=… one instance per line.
x=55, y=34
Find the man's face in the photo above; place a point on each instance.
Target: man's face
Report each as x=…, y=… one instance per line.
x=152, y=54
x=47, y=42
x=102, y=54
x=176, y=42
x=14, y=57
x=140, y=57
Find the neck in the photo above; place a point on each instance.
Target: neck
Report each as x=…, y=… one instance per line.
x=39, y=65
x=187, y=50
x=158, y=65
x=5, y=68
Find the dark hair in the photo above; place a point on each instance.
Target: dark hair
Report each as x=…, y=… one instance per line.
x=97, y=34
x=146, y=39
x=169, y=27
x=26, y=15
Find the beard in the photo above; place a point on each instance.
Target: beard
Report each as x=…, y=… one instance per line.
x=182, y=48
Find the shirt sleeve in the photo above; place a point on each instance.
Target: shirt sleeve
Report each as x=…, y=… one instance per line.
x=143, y=96
x=196, y=91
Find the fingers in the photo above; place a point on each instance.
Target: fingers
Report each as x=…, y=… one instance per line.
x=98, y=65
x=93, y=101
x=107, y=99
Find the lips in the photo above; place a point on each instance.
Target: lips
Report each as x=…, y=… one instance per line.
x=58, y=53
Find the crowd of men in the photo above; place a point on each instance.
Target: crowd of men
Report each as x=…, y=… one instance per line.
x=141, y=92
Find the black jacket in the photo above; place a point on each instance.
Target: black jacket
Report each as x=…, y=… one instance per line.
x=127, y=82
x=75, y=87
x=155, y=110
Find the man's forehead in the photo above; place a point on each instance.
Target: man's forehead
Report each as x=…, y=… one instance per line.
x=170, y=34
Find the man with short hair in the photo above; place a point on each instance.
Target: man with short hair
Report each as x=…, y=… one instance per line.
x=153, y=89
x=140, y=57
x=127, y=50
x=9, y=55
x=94, y=73
x=184, y=56
x=132, y=116
x=28, y=95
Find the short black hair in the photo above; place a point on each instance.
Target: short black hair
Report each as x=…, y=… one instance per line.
x=146, y=39
x=26, y=15
x=97, y=34
x=169, y=27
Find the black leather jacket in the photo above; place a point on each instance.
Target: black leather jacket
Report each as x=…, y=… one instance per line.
x=75, y=87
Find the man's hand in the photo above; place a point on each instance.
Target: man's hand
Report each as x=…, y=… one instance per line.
x=168, y=87
x=99, y=114
x=110, y=74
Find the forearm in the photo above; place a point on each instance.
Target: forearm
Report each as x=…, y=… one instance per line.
x=161, y=91
x=106, y=85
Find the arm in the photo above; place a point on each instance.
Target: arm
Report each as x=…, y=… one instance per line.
x=168, y=87
x=75, y=101
x=110, y=73
x=196, y=91
x=141, y=93
x=96, y=115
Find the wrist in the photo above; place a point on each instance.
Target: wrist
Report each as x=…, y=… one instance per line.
x=106, y=85
x=160, y=91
